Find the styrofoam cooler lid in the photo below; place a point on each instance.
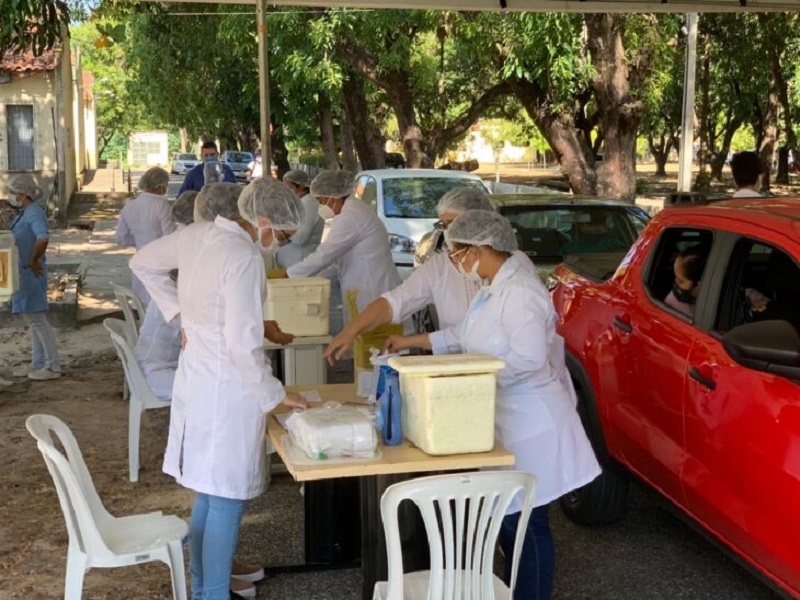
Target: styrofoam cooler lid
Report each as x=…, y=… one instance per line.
x=446, y=364
x=298, y=282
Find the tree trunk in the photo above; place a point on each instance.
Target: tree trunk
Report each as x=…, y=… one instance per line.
x=619, y=111
x=766, y=150
x=704, y=113
x=184, y=139
x=280, y=154
x=410, y=132
x=326, y=130
x=348, y=148
x=660, y=152
x=782, y=89
x=367, y=137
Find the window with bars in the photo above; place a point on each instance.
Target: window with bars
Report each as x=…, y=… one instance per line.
x=21, y=152
x=140, y=150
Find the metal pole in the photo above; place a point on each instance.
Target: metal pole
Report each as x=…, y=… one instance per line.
x=687, y=127
x=263, y=87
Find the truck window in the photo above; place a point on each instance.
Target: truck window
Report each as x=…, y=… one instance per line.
x=762, y=282
x=675, y=272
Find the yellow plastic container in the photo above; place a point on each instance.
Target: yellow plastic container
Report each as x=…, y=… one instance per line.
x=448, y=401
x=300, y=306
x=9, y=266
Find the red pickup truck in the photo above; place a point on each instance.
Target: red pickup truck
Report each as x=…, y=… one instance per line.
x=699, y=398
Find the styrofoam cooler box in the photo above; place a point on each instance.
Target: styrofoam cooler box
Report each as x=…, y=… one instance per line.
x=300, y=306
x=9, y=266
x=448, y=401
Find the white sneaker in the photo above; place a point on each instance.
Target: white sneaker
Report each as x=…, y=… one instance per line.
x=44, y=375
x=243, y=589
x=21, y=371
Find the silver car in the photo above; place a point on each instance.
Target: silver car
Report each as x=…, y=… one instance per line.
x=183, y=163
x=239, y=162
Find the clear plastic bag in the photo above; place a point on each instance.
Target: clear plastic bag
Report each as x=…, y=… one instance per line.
x=333, y=431
x=212, y=172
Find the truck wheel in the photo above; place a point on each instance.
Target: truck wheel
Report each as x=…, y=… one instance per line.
x=600, y=502
x=603, y=500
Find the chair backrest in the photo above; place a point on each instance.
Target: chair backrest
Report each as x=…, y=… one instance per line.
x=81, y=505
x=140, y=390
x=129, y=302
x=462, y=515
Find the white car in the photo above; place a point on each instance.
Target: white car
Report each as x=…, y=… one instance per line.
x=183, y=163
x=406, y=203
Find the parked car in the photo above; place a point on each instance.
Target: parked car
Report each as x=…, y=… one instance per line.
x=702, y=405
x=551, y=226
x=406, y=203
x=238, y=162
x=183, y=163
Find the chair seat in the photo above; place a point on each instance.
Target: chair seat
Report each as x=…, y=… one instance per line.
x=127, y=535
x=415, y=587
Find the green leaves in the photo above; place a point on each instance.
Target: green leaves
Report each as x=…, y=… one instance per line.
x=32, y=25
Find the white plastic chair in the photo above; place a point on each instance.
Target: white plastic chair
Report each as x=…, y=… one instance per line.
x=141, y=397
x=96, y=538
x=129, y=302
x=462, y=515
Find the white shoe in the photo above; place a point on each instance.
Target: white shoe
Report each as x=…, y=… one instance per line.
x=243, y=589
x=44, y=375
x=21, y=371
x=252, y=576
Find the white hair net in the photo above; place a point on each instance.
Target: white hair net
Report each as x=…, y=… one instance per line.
x=461, y=199
x=333, y=184
x=298, y=177
x=217, y=199
x=266, y=199
x=25, y=184
x=482, y=228
x=153, y=178
x=183, y=209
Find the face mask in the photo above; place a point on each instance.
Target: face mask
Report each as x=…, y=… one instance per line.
x=14, y=201
x=682, y=295
x=209, y=159
x=325, y=212
x=274, y=245
x=472, y=274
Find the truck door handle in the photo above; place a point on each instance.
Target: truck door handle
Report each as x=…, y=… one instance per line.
x=623, y=324
x=703, y=380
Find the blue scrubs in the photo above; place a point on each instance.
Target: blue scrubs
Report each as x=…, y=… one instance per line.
x=28, y=227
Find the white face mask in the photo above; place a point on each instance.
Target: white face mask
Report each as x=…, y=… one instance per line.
x=472, y=274
x=14, y=201
x=274, y=245
x=325, y=212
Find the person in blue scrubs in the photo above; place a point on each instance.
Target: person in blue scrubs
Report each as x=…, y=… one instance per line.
x=196, y=179
x=31, y=235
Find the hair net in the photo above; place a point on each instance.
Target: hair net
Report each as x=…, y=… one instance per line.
x=332, y=184
x=183, y=209
x=25, y=184
x=266, y=199
x=153, y=178
x=217, y=199
x=482, y=228
x=461, y=199
x=298, y=177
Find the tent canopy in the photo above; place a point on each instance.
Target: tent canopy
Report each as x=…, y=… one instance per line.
x=581, y=6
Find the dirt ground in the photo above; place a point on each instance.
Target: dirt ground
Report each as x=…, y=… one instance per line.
x=33, y=536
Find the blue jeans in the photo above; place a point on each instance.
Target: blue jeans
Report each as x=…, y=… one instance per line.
x=214, y=531
x=43, y=341
x=535, y=572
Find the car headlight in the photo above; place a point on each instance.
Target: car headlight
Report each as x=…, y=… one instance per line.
x=401, y=244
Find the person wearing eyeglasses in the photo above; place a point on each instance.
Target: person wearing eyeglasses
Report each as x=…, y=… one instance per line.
x=512, y=318
x=436, y=282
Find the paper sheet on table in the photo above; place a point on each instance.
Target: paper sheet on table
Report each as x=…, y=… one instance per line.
x=311, y=396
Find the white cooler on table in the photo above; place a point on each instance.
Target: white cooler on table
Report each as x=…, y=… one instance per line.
x=448, y=401
x=9, y=266
x=300, y=306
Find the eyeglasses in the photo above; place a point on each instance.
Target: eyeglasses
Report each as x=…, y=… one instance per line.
x=441, y=225
x=452, y=255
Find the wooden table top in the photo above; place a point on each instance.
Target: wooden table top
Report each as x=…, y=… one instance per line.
x=404, y=458
x=319, y=340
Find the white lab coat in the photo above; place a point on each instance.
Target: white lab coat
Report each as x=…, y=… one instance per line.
x=438, y=282
x=142, y=220
x=158, y=351
x=307, y=238
x=358, y=248
x=535, y=414
x=224, y=387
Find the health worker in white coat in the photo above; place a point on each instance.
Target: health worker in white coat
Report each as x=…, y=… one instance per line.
x=513, y=319
x=308, y=237
x=224, y=387
x=436, y=282
x=146, y=218
x=357, y=247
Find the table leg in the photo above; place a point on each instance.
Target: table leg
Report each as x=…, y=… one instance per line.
x=289, y=366
x=374, y=562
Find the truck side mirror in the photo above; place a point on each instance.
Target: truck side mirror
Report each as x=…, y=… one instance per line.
x=767, y=346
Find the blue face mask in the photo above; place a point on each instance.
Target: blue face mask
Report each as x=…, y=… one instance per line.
x=210, y=159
